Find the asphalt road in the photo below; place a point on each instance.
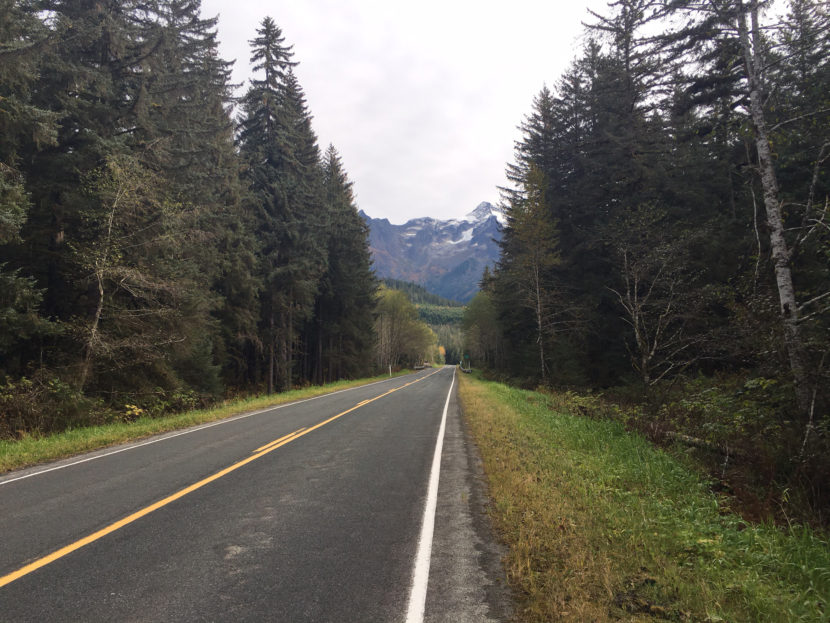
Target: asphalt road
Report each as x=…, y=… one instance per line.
x=305, y=512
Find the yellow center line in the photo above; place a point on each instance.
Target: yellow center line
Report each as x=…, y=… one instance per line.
x=268, y=445
x=259, y=452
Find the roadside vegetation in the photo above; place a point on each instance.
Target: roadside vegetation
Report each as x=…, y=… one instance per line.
x=135, y=423
x=601, y=525
x=442, y=316
x=445, y=322
x=164, y=243
x=667, y=241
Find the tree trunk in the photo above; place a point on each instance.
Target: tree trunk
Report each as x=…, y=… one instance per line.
x=271, y=355
x=340, y=357
x=289, y=356
x=320, y=368
x=283, y=352
x=540, y=337
x=769, y=181
x=93, y=330
x=100, y=267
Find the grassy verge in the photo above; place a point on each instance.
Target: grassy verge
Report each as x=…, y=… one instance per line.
x=602, y=526
x=33, y=450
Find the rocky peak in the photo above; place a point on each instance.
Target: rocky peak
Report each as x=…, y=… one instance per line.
x=446, y=257
x=484, y=211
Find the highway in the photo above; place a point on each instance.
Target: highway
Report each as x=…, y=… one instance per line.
x=321, y=510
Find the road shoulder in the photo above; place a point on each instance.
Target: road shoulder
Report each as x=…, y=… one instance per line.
x=467, y=583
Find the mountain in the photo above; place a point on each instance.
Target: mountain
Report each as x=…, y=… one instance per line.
x=446, y=257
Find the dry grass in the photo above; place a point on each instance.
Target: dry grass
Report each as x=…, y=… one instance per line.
x=550, y=562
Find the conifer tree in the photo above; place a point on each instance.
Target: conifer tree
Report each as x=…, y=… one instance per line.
x=185, y=117
x=105, y=76
x=24, y=129
x=774, y=118
x=532, y=240
x=343, y=313
x=283, y=169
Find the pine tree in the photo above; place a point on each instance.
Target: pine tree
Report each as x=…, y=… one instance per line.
x=106, y=76
x=532, y=240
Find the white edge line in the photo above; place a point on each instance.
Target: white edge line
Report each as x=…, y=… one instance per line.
x=420, y=574
x=187, y=431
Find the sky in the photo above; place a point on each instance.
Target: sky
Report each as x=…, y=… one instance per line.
x=421, y=99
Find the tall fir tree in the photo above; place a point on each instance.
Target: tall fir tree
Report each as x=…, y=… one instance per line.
x=343, y=331
x=25, y=128
x=283, y=170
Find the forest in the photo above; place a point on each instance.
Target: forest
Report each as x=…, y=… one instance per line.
x=164, y=243
x=667, y=251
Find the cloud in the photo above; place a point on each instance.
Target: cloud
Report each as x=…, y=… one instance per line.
x=421, y=99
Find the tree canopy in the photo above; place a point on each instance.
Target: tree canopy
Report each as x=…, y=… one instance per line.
x=155, y=251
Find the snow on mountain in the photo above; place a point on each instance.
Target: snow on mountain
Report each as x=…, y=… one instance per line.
x=483, y=211
x=446, y=257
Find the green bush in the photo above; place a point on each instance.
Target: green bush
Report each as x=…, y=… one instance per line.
x=46, y=404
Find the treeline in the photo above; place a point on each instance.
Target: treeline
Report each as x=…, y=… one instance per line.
x=445, y=322
x=418, y=294
x=154, y=250
x=442, y=316
x=668, y=218
x=403, y=339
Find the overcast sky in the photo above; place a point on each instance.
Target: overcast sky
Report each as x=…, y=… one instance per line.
x=421, y=99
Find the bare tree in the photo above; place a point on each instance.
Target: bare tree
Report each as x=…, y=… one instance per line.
x=654, y=294
x=138, y=300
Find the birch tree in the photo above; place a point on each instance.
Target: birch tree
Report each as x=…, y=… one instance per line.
x=143, y=305
x=752, y=49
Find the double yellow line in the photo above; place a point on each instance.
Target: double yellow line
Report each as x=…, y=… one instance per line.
x=258, y=453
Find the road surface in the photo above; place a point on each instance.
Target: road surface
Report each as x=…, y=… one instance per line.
x=320, y=510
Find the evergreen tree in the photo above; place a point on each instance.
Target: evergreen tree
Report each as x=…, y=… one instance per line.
x=343, y=313
x=532, y=240
x=774, y=117
x=133, y=90
x=145, y=302
x=285, y=181
x=185, y=117
x=24, y=129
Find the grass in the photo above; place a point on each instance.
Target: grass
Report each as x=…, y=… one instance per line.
x=32, y=450
x=602, y=526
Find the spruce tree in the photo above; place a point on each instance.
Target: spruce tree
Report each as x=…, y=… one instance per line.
x=343, y=312
x=185, y=117
x=25, y=129
x=102, y=77
x=532, y=239
x=285, y=192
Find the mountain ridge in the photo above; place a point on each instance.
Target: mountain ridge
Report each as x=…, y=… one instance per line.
x=447, y=257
